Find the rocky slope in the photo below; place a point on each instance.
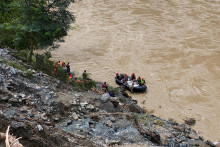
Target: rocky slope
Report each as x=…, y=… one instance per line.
x=47, y=112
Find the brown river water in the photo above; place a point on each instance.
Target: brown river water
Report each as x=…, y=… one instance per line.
x=173, y=44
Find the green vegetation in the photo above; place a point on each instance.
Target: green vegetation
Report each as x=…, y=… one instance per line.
x=33, y=24
x=146, y=119
x=16, y=65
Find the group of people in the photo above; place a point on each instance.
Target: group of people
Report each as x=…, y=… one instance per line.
x=140, y=81
x=125, y=79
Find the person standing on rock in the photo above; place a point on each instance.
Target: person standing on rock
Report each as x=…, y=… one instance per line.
x=68, y=68
x=84, y=75
x=64, y=63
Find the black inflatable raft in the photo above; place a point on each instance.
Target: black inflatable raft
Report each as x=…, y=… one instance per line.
x=137, y=88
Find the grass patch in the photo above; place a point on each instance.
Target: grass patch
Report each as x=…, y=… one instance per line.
x=28, y=73
x=16, y=65
x=4, y=61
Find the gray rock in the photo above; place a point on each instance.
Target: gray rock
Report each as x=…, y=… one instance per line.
x=109, y=123
x=16, y=125
x=190, y=121
x=83, y=104
x=5, y=98
x=75, y=116
x=112, y=119
x=12, y=70
x=208, y=142
x=40, y=128
x=1, y=113
x=196, y=143
x=10, y=113
x=38, y=88
x=105, y=97
x=0, y=78
x=69, y=122
x=36, y=117
x=23, y=95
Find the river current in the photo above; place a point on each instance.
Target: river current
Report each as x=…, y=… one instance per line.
x=173, y=44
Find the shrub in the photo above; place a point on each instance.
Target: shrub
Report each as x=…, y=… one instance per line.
x=83, y=85
x=43, y=63
x=28, y=73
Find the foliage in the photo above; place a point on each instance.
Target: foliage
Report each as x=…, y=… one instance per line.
x=83, y=85
x=115, y=90
x=22, y=54
x=16, y=65
x=28, y=73
x=43, y=63
x=33, y=24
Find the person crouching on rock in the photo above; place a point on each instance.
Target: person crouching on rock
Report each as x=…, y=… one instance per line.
x=104, y=87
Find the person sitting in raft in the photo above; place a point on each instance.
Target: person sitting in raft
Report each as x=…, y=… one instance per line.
x=142, y=81
x=64, y=63
x=139, y=80
x=133, y=77
x=104, y=87
x=118, y=76
x=132, y=87
x=125, y=78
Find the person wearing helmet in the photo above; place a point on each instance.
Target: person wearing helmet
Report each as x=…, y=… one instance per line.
x=125, y=78
x=133, y=77
x=104, y=87
x=64, y=63
x=57, y=64
x=142, y=81
x=118, y=76
x=139, y=80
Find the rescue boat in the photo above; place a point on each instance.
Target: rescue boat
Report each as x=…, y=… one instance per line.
x=136, y=88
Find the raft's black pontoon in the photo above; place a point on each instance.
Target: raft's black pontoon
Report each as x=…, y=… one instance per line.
x=136, y=88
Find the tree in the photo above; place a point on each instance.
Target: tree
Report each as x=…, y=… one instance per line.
x=35, y=24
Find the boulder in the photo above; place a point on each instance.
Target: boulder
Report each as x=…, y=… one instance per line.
x=109, y=123
x=40, y=128
x=190, y=121
x=193, y=142
x=12, y=70
x=105, y=97
x=179, y=128
x=75, y=116
x=16, y=125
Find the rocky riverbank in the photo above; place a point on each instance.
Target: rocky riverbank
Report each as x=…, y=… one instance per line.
x=47, y=112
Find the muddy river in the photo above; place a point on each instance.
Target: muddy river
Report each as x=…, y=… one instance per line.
x=173, y=44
